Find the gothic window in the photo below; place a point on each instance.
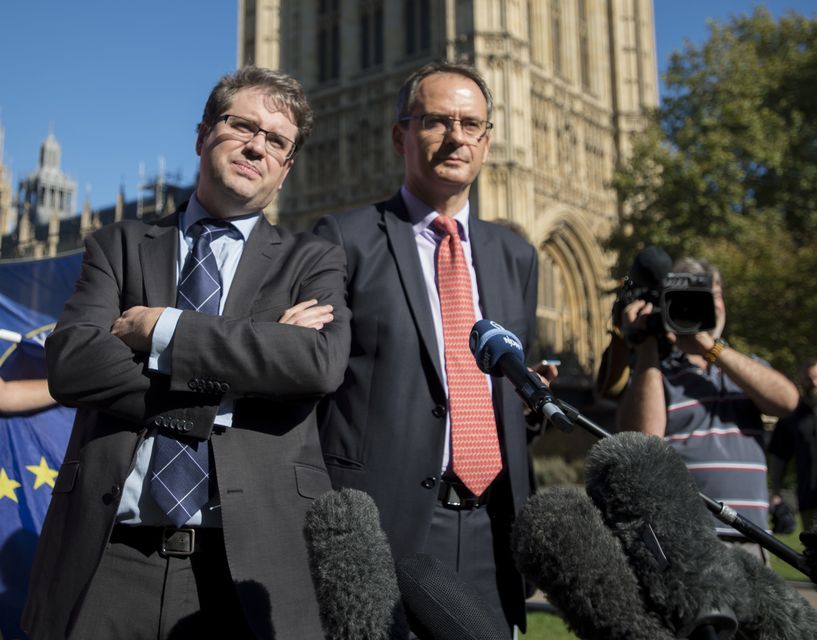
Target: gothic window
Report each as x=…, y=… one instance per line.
x=371, y=33
x=551, y=311
x=556, y=34
x=584, y=46
x=328, y=40
x=417, y=25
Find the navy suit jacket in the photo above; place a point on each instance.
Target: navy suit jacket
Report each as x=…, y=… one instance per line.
x=383, y=431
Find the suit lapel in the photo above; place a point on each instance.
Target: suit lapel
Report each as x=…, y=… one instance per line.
x=260, y=254
x=158, y=253
x=489, y=278
x=404, y=248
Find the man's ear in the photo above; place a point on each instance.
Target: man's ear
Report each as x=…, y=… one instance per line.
x=397, y=136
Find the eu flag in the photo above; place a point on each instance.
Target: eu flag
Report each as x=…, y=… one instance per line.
x=32, y=445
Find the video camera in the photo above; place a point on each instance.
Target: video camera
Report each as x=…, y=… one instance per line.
x=682, y=302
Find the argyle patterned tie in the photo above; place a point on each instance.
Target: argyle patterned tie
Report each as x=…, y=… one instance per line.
x=475, y=455
x=180, y=470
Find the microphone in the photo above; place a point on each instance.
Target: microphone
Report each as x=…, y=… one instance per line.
x=499, y=353
x=442, y=606
x=777, y=610
x=648, y=499
x=688, y=577
x=650, y=266
x=352, y=568
x=561, y=545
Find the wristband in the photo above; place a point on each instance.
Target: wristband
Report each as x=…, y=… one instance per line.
x=714, y=353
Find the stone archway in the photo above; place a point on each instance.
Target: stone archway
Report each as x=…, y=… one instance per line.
x=573, y=301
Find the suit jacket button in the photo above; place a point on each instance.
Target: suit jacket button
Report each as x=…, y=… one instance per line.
x=174, y=424
x=165, y=421
x=192, y=384
x=209, y=386
x=429, y=483
x=157, y=421
x=187, y=425
x=225, y=387
x=438, y=411
x=115, y=490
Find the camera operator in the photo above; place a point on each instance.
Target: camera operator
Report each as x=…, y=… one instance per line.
x=705, y=399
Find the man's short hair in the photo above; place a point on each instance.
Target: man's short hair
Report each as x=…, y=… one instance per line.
x=407, y=95
x=284, y=91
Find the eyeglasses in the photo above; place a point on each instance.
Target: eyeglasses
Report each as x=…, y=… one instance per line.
x=278, y=146
x=439, y=124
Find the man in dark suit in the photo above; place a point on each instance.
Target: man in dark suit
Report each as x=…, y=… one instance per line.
x=440, y=448
x=196, y=349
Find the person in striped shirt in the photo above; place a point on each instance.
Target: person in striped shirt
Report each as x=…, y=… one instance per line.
x=706, y=400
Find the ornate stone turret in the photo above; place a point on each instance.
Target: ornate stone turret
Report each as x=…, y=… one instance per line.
x=48, y=189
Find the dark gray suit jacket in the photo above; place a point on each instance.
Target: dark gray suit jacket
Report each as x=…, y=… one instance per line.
x=269, y=464
x=383, y=430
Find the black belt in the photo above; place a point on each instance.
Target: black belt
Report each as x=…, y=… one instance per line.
x=168, y=541
x=454, y=495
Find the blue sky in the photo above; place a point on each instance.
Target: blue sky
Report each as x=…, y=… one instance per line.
x=124, y=83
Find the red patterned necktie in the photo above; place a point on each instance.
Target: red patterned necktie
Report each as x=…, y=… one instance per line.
x=475, y=447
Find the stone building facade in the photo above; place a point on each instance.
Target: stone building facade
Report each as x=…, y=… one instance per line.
x=6, y=213
x=572, y=80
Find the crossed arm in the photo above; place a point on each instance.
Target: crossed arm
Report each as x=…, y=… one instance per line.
x=98, y=352
x=135, y=326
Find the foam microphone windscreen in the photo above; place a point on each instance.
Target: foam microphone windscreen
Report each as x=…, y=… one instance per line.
x=442, y=606
x=353, y=569
x=777, y=611
x=561, y=544
x=648, y=499
x=650, y=266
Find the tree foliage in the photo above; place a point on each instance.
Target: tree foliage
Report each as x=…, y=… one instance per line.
x=727, y=170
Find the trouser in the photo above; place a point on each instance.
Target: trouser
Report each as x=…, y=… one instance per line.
x=139, y=592
x=463, y=540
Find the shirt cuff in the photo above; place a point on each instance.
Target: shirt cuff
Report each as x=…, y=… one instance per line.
x=163, y=334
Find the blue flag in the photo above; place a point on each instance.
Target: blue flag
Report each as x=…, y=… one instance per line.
x=32, y=445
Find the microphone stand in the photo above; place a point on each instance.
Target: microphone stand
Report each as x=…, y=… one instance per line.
x=721, y=511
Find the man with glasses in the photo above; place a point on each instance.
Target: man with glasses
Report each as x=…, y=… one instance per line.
x=440, y=447
x=196, y=349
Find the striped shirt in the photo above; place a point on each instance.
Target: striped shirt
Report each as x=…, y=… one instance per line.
x=718, y=432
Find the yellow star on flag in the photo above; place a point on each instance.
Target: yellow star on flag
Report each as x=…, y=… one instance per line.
x=7, y=486
x=43, y=474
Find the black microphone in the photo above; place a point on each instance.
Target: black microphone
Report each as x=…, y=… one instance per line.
x=442, y=606
x=650, y=266
x=499, y=353
x=689, y=578
x=561, y=544
x=352, y=568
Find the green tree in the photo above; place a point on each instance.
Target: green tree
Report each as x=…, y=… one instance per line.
x=727, y=169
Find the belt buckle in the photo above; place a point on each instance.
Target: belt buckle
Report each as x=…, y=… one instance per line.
x=452, y=499
x=178, y=543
